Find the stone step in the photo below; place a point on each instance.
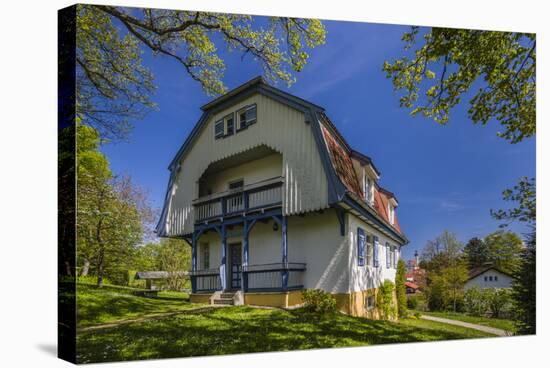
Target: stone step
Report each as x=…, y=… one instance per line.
x=227, y=295
x=223, y=301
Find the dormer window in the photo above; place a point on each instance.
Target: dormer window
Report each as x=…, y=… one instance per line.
x=246, y=116
x=368, y=189
x=391, y=213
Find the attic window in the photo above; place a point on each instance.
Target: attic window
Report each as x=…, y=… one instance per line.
x=391, y=214
x=229, y=122
x=246, y=116
x=219, y=129
x=236, y=185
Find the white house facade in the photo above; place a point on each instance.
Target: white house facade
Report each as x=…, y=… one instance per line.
x=488, y=277
x=273, y=201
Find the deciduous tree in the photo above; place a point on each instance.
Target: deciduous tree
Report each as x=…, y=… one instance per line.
x=441, y=66
x=114, y=86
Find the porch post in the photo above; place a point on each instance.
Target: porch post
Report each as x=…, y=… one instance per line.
x=194, y=262
x=223, y=275
x=245, y=257
x=284, y=251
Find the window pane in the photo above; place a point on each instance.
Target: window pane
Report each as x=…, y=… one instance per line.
x=251, y=115
x=218, y=129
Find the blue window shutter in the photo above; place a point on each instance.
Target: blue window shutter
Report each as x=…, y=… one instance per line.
x=375, y=251
x=360, y=246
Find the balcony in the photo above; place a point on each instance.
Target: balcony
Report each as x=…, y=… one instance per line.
x=258, y=196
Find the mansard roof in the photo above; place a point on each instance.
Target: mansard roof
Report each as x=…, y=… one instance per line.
x=336, y=153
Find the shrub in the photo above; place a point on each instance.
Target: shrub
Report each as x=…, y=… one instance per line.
x=318, y=302
x=412, y=302
x=384, y=300
x=499, y=302
x=475, y=301
x=400, y=289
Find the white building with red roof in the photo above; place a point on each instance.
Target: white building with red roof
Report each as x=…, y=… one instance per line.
x=273, y=200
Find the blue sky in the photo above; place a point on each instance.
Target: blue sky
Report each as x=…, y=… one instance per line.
x=445, y=177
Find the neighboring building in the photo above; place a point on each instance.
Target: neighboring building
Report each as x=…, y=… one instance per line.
x=273, y=200
x=488, y=277
x=411, y=288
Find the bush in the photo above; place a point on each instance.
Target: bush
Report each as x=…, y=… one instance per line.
x=400, y=288
x=384, y=300
x=412, y=302
x=318, y=302
x=475, y=301
x=499, y=302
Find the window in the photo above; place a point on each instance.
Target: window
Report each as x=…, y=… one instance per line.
x=388, y=255
x=485, y=278
x=376, y=262
x=368, y=188
x=246, y=116
x=369, y=250
x=391, y=214
x=205, y=256
x=236, y=185
x=219, y=129
x=496, y=278
x=360, y=246
x=490, y=278
x=229, y=124
x=369, y=302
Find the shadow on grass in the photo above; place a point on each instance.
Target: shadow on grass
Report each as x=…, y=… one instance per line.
x=96, y=306
x=244, y=330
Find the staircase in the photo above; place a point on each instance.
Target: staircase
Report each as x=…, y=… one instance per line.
x=225, y=298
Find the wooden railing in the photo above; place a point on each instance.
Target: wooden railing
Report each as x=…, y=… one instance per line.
x=264, y=194
x=206, y=280
x=273, y=277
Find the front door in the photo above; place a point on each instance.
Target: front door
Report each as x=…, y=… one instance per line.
x=236, y=262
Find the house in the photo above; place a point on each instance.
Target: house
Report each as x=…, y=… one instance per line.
x=411, y=287
x=488, y=276
x=273, y=200
x=415, y=274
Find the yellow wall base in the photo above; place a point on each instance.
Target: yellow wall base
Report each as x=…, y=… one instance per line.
x=349, y=303
x=200, y=298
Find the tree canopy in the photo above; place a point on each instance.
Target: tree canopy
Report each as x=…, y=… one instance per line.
x=114, y=86
x=442, y=65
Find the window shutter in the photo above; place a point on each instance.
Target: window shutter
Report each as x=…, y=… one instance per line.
x=360, y=246
x=375, y=251
x=388, y=255
x=219, y=129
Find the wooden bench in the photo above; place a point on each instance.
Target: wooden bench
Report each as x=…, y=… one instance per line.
x=148, y=293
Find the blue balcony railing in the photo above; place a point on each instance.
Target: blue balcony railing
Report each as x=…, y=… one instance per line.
x=261, y=195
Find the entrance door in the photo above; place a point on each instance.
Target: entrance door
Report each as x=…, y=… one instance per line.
x=236, y=262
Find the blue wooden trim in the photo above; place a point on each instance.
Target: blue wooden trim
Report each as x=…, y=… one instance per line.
x=244, y=276
x=223, y=276
x=336, y=189
x=240, y=219
x=388, y=260
x=194, y=262
x=284, y=251
x=361, y=240
x=375, y=249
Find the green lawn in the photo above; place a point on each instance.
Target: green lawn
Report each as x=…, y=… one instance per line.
x=113, y=303
x=229, y=330
x=503, y=324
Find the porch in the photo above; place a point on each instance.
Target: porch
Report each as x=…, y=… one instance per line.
x=229, y=230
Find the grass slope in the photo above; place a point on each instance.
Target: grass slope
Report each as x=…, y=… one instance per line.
x=503, y=324
x=244, y=329
x=113, y=303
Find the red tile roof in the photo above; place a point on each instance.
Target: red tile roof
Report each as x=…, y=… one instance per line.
x=411, y=285
x=341, y=158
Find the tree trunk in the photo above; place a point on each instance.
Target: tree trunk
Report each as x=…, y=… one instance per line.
x=85, y=267
x=100, y=267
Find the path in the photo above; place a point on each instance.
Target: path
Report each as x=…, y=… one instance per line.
x=491, y=330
